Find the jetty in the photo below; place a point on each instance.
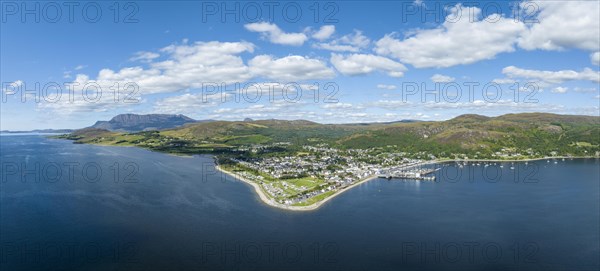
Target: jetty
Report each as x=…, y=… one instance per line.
x=411, y=171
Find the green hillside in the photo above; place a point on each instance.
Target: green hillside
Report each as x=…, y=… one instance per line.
x=527, y=135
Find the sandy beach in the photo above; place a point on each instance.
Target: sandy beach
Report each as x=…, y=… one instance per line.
x=272, y=203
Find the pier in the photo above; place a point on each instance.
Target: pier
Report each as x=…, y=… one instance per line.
x=412, y=172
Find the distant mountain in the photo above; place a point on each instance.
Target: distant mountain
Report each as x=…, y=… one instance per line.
x=136, y=123
x=41, y=131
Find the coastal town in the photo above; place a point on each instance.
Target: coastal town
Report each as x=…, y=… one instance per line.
x=318, y=172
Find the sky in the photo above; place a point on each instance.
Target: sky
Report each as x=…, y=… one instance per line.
x=69, y=64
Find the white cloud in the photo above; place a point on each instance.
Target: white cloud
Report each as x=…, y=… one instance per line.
x=552, y=77
x=279, y=109
x=90, y=96
x=336, y=47
x=144, y=56
x=456, y=41
x=192, y=66
x=391, y=104
x=585, y=90
x=388, y=87
x=359, y=64
x=337, y=106
x=254, y=94
x=438, y=78
x=563, y=24
x=503, y=81
x=505, y=106
x=187, y=66
x=189, y=103
x=324, y=32
x=275, y=35
x=560, y=90
x=595, y=57
x=80, y=67
x=290, y=69
x=348, y=43
x=11, y=88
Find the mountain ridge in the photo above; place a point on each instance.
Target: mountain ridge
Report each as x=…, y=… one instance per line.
x=469, y=135
x=135, y=122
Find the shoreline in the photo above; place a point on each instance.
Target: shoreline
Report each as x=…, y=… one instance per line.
x=265, y=199
x=516, y=160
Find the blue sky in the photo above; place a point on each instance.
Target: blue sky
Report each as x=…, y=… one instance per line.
x=382, y=61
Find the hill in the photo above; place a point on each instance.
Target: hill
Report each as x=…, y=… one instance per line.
x=523, y=135
x=136, y=123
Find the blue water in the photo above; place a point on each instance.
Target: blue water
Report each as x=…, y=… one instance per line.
x=164, y=212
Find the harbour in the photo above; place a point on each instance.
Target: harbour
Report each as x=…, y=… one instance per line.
x=415, y=171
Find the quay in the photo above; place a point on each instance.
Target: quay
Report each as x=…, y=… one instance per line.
x=417, y=174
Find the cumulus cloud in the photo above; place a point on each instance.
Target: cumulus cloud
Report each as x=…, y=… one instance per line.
x=11, y=88
x=595, y=58
x=275, y=35
x=360, y=64
x=505, y=106
x=324, y=32
x=438, y=78
x=91, y=96
x=187, y=66
x=144, y=56
x=191, y=66
x=348, y=43
x=289, y=69
x=560, y=90
x=391, y=104
x=552, y=77
x=250, y=93
x=503, y=81
x=189, y=103
x=337, y=106
x=563, y=24
x=456, y=41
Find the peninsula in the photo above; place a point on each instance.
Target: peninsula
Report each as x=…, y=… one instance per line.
x=299, y=165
